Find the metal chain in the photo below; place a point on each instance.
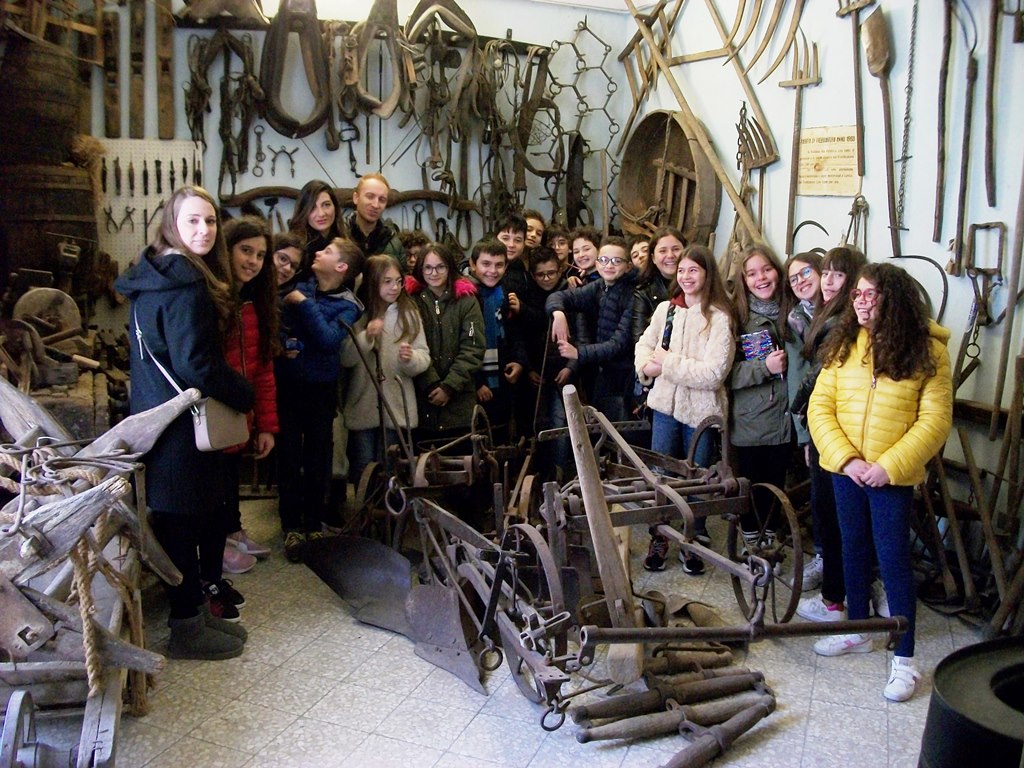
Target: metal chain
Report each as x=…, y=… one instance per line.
x=905, y=149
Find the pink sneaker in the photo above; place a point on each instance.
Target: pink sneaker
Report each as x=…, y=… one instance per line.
x=236, y=561
x=240, y=539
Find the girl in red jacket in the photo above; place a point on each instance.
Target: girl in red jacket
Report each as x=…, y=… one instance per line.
x=249, y=348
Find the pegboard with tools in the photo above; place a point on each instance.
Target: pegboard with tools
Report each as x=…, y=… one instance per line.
x=137, y=177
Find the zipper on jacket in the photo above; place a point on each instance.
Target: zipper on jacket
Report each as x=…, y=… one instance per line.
x=867, y=409
x=472, y=328
x=437, y=308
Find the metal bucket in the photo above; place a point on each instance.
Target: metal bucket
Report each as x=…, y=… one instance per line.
x=40, y=92
x=976, y=712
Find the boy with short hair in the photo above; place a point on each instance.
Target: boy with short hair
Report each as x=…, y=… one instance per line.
x=585, y=243
x=413, y=241
x=317, y=312
x=504, y=356
x=604, y=310
x=512, y=232
x=545, y=367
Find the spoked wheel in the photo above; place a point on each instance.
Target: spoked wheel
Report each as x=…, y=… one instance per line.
x=19, y=730
x=778, y=542
x=538, y=586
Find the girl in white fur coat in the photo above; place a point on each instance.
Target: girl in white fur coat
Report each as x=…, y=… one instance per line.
x=685, y=355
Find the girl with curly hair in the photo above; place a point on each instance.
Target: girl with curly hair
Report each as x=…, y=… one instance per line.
x=881, y=409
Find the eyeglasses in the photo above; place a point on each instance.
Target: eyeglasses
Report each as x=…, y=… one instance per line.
x=870, y=295
x=546, y=275
x=803, y=274
x=435, y=269
x=616, y=260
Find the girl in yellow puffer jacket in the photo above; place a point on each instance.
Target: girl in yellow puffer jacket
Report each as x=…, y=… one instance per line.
x=881, y=408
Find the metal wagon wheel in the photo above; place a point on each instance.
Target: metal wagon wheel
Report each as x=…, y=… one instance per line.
x=538, y=594
x=777, y=546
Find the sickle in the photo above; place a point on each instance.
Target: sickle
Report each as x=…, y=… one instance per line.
x=809, y=223
x=773, y=24
x=790, y=37
x=298, y=16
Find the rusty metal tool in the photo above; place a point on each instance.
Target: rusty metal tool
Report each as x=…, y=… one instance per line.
x=931, y=527
x=984, y=507
x=956, y=264
x=806, y=72
x=117, y=177
x=853, y=9
x=940, y=161
x=103, y=174
x=1013, y=284
x=145, y=179
x=994, y=17
x=131, y=179
x=971, y=600
x=753, y=153
x=878, y=51
x=708, y=743
x=158, y=173
x=987, y=276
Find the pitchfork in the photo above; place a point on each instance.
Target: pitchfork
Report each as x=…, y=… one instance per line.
x=802, y=77
x=754, y=150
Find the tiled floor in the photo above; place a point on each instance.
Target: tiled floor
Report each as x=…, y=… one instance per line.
x=315, y=688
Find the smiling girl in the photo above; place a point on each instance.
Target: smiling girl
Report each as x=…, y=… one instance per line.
x=761, y=428
x=391, y=332
x=249, y=348
x=684, y=356
x=881, y=409
x=316, y=217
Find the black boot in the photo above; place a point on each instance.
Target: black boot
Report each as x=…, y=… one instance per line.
x=192, y=639
x=222, y=625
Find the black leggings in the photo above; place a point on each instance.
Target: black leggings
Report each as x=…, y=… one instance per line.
x=762, y=464
x=187, y=543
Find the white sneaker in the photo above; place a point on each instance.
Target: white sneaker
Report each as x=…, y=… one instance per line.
x=839, y=645
x=879, y=600
x=902, y=680
x=816, y=609
x=813, y=574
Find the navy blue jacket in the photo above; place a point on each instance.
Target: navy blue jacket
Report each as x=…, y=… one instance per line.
x=605, y=320
x=178, y=320
x=317, y=324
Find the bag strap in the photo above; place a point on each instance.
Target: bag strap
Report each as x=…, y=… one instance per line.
x=143, y=348
x=666, y=335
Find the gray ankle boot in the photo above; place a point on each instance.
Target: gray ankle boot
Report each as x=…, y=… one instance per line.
x=192, y=639
x=221, y=625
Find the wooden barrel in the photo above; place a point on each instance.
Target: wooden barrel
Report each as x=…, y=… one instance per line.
x=41, y=206
x=666, y=179
x=40, y=94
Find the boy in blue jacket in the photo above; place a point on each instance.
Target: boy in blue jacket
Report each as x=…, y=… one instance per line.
x=318, y=313
x=604, y=310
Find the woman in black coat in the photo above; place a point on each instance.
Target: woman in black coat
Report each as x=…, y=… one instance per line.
x=181, y=305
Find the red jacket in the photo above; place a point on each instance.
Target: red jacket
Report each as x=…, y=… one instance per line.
x=243, y=355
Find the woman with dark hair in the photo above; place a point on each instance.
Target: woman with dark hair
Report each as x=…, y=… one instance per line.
x=454, y=327
x=181, y=310
x=250, y=348
x=881, y=409
x=317, y=217
x=684, y=356
x=761, y=430
x=839, y=270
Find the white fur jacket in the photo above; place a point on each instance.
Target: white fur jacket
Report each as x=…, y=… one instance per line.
x=691, y=386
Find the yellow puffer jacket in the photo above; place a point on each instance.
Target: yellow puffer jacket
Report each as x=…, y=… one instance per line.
x=897, y=424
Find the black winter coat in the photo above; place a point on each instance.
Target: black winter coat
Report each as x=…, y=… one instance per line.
x=178, y=320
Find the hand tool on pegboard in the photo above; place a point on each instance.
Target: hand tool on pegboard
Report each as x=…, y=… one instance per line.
x=111, y=74
x=956, y=264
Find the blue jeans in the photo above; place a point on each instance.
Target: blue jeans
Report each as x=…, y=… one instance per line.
x=364, y=447
x=882, y=514
x=672, y=438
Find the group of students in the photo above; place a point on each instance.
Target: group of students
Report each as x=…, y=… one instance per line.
x=831, y=355
x=641, y=327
